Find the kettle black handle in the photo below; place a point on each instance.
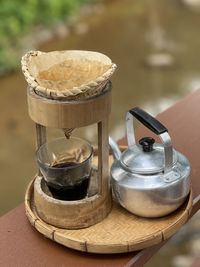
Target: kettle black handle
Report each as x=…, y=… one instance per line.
x=156, y=127
x=150, y=122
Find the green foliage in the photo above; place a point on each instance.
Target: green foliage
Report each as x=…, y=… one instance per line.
x=18, y=17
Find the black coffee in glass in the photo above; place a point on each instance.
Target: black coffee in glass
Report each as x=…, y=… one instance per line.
x=76, y=192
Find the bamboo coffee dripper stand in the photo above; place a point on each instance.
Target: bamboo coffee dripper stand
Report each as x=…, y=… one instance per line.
x=73, y=114
x=84, y=225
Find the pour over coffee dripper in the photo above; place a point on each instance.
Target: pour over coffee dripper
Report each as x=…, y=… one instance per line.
x=70, y=90
x=66, y=166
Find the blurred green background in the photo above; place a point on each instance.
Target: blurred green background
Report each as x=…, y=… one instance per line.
x=18, y=20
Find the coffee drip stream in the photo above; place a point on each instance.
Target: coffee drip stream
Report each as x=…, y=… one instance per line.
x=68, y=132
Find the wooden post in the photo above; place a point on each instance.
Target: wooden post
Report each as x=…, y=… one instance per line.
x=40, y=135
x=103, y=155
x=40, y=138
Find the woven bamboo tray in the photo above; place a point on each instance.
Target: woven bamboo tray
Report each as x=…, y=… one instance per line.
x=119, y=232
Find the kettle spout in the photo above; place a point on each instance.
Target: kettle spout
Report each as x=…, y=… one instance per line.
x=115, y=149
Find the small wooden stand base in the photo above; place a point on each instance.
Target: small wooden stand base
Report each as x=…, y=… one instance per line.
x=70, y=214
x=119, y=232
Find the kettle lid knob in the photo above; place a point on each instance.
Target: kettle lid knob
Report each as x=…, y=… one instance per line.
x=147, y=143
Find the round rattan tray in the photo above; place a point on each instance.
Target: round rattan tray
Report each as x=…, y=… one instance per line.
x=119, y=232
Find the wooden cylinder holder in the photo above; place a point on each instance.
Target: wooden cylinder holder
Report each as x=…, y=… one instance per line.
x=69, y=214
x=61, y=114
x=69, y=114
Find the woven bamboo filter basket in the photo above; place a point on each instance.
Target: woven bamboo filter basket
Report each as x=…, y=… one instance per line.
x=67, y=75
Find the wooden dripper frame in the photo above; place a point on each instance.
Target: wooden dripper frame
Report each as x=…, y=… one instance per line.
x=73, y=114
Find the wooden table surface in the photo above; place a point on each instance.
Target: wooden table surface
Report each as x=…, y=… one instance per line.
x=23, y=246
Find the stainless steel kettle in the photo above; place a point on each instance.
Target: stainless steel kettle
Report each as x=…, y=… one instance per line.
x=149, y=179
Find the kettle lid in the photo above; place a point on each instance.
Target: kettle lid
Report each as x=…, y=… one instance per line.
x=146, y=158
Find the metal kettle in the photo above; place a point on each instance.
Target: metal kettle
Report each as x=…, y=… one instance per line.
x=149, y=179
